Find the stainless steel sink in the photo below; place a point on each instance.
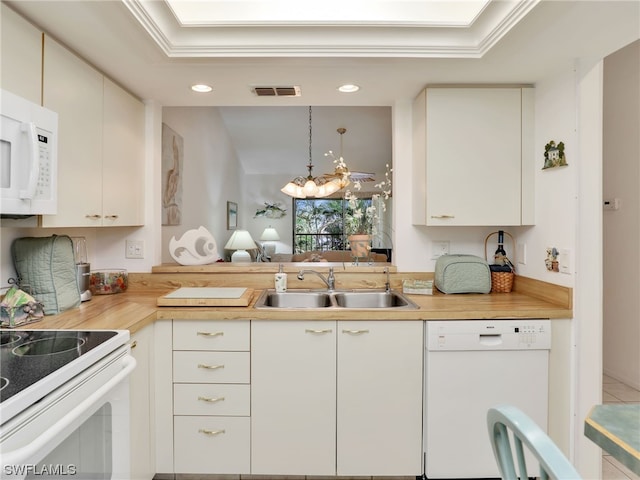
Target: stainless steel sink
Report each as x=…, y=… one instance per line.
x=371, y=300
x=292, y=299
x=343, y=299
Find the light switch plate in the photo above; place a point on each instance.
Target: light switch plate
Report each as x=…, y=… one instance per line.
x=134, y=249
x=439, y=248
x=521, y=253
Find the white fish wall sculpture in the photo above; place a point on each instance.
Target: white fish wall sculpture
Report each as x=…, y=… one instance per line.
x=195, y=247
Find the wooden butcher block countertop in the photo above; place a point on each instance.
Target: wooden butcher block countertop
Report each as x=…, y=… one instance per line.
x=138, y=307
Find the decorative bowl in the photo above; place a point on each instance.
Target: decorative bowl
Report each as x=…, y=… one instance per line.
x=106, y=282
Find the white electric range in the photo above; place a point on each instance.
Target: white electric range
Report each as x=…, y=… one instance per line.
x=64, y=403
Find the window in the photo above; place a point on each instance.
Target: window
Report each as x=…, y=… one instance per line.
x=320, y=223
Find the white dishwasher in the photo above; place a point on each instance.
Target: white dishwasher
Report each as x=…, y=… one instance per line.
x=470, y=366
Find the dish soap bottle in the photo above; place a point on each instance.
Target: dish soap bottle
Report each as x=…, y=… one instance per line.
x=281, y=280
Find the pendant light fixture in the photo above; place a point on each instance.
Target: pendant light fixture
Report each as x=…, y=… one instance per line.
x=341, y=174
x=303, y=187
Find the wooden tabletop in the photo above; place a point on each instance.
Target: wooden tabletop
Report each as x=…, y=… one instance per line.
x=616, y=429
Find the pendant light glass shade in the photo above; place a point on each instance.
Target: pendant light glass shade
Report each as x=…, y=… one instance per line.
x=310, y=186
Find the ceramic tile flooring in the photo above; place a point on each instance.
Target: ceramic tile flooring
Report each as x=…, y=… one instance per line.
x=614, y=391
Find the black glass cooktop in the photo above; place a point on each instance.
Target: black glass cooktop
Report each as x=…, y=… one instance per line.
x=27, y=356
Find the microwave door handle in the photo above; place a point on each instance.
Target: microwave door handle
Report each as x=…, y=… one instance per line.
x=34, y=170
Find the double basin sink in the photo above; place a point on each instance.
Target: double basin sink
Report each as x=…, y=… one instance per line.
x=362, y=299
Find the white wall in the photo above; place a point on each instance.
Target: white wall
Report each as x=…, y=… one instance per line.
x=210, y=175
x=258, y=189
x=621, y=179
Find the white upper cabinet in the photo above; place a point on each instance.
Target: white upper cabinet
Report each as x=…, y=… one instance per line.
x=101, y=144
x=21, y=55
x=123, y=157
x=73, y=89
x=473, y=156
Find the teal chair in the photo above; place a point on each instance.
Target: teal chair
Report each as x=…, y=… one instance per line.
x=553, y=464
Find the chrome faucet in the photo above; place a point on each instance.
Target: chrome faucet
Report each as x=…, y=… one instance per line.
x=329, y=281
x=387, y=284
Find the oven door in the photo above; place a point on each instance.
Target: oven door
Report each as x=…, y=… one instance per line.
x=80, y=430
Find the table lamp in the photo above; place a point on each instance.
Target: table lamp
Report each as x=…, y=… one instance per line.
x=240, y=241
x=269, y=236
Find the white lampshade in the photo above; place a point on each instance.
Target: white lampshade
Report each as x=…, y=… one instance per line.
x=268, y=237
x=270, y=234
x=240, y=241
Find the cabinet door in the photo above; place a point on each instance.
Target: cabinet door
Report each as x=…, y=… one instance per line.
x=293, y=397
x=123, y=158
x=142, y=431
x=473, y=156
x=21, y=55
x=74, y=90
x=379, y=413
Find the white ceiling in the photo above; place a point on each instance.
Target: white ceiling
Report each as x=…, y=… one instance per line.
x=509, y=41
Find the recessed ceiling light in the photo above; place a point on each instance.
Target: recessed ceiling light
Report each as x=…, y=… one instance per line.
x=348, y=88
x=201, y=88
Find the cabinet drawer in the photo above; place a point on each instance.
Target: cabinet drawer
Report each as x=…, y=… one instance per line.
x=212, y=444
x=211, y=367
x=231, y=335
x=211, y=399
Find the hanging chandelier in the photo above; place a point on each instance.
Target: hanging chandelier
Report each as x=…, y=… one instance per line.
x=341, y=174
x=310, y=186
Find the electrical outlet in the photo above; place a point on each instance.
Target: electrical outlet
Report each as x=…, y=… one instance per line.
x=521, y=253
x=611, y=203
x=564, y=260
x=134, y=249
x=439, y=249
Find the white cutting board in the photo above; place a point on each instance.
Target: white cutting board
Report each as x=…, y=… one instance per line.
x=207, y=296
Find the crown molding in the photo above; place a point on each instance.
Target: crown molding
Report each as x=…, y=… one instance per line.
x=323, y=39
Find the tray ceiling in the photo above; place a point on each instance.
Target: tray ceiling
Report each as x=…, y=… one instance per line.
x=219, y=28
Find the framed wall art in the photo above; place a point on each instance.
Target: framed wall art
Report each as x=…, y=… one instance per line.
x=232, y=215
x=172, y=159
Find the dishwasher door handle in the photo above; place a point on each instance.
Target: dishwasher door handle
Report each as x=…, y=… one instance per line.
x=490, y=339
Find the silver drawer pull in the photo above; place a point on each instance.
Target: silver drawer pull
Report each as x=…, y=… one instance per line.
x=95, y=216
x=211, y=432
x=443, y=216
x=210, y=367
x=211, y=399
x=318, y=331
x=355, y=332
x=210, y=334
x=111, y=217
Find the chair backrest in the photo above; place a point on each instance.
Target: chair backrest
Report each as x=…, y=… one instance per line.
x=552, y=462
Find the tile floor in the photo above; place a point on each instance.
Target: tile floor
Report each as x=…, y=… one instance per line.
x=614, y=391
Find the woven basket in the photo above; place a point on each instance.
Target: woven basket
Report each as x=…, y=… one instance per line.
x=501, y=282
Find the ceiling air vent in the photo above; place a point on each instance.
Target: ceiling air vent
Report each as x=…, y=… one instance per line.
x=293, y=91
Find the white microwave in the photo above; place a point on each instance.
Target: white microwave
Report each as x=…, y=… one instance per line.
x=28, y=157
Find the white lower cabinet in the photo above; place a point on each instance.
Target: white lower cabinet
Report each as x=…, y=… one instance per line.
x=210, y=444
x=336, y=398
x=211, y=397
x=379, y=398
x=141, y=397
x=293, y=397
